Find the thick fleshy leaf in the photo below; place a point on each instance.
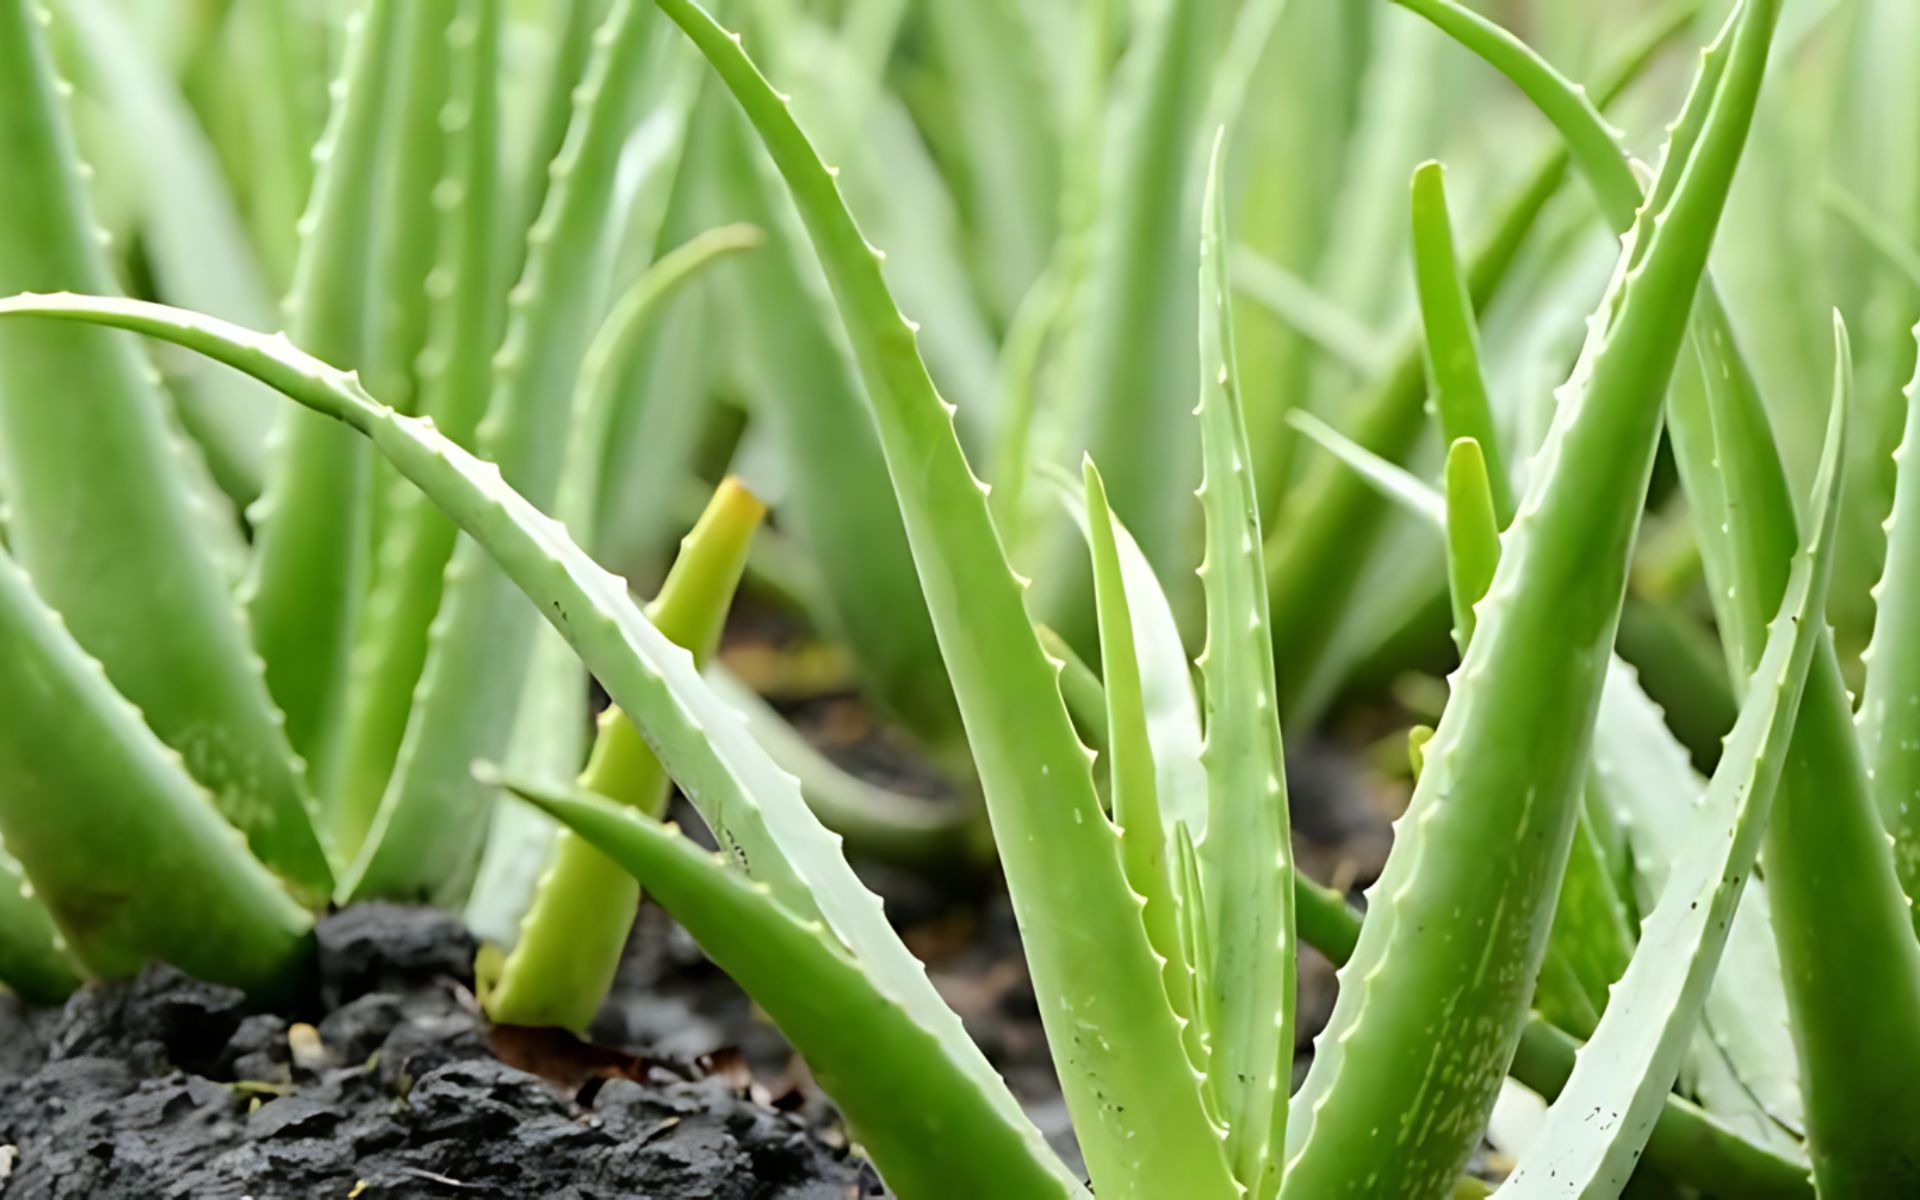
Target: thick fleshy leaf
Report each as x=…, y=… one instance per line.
x=1484, y=842
x=122, y=846
x=1138, y=1114
x=1853, y=998
x=570, y=942
x=1596, y=1130
x=100, y=512
x=1247, y=855
x=34, y=960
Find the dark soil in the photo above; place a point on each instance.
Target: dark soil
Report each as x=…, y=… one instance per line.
x=162, y=1087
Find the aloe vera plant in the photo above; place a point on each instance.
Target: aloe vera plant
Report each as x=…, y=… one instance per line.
x=1567, y=904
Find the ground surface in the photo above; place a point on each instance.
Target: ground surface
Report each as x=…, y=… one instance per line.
x=162, y=1087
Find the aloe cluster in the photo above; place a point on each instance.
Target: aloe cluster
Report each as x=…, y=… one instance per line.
x=1715, y=981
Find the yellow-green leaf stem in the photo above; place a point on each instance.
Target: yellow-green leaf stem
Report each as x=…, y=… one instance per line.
x=570, y=941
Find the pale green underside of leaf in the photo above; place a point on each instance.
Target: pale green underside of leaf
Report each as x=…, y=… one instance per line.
x=423, y=842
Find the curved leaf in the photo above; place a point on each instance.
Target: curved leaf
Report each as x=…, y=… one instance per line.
x=925, y=1122
x=754, y=808
x=1138, y=1114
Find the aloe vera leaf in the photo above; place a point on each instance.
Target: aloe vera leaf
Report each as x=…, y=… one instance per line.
x=1196, y=926
x=1857, y=1042
x=1640, y=779
x=1591, y=937
x=1596, y=1130
x=550, y=741
x=311, y=546
x=454, y=376
x=1166, y=677
x=1874, y=117
x=1452, y=336
x=193, y=237
x=928, y=1126
x=100, y=511
x=570, y=940
x=1136, y=340
x=1743, y=1019
x=1313, y=554
x=570, y=26
x=1473, y=533
x=990, y=52
x=1080, y=690
x=1682, y=664
x=1589, y=941
x=755, y=809
x=1301, y=307
x=410, y=219
x=1392, y=1084
x=1829, y=866
x=422, y=842
x=893, y=183
x=1248, y=853
x=1132, y=774
x=280, y=52
x=454, y=379
x=1027, y=350
x=1687, y=1144
x=1295, y=143
x=1389, y=479
x=1827, y=816
x=1089, y=955
x=876, y=823
x=121, y=845
x=1889, y=717
x=34, y=960
x=1643, y=776
x=838, y=504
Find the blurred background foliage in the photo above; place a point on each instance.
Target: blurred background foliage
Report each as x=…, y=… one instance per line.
x=1030, y=168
